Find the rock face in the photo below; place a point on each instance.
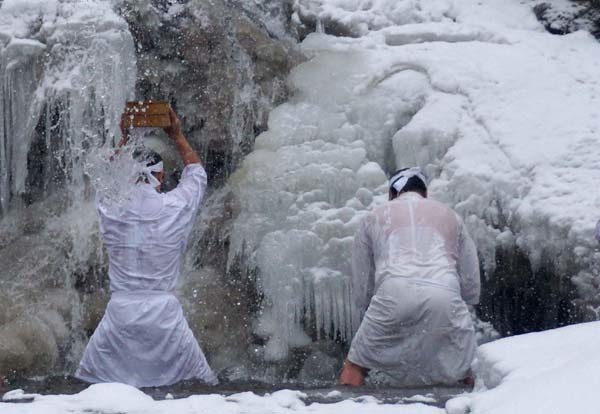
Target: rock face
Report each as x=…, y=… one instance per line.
x=221, y=69
x=581, y=15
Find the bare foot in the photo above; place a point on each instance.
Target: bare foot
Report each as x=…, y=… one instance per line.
x=469, y=380
x=352, y=374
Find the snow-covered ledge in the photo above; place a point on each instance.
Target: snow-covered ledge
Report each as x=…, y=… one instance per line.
x=555, y=371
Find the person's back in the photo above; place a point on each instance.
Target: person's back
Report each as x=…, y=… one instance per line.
x=146, y=237
x=143, y=338
x=414, y=267
x=421, y=239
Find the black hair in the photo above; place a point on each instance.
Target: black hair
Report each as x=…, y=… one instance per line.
x=414, y=184
x=150, y=157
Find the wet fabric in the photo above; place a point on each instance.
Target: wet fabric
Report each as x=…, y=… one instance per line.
x=143, y=339
x=415, y=269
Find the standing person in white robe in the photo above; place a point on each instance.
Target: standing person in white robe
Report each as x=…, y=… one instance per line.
x=143, y=339
x=415, y=269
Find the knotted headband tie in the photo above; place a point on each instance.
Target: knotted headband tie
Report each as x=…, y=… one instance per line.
x=400, y=179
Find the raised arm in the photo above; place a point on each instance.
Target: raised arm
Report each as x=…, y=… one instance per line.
x=468, y=267
x=187, y=153
x=124, y=126
x=191, y=187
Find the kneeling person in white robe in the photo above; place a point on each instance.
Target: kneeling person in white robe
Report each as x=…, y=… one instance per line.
x=415, y=269
x=143, y=339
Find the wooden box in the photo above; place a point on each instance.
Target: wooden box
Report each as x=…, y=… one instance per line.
x=144, y=114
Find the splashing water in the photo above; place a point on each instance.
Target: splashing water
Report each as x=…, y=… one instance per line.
x=113, y=173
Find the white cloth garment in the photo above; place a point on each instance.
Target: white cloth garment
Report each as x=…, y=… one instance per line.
x=415, y=269
x=143, y=339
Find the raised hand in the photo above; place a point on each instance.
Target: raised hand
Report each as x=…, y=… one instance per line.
x=173, y=131
x=125, y=126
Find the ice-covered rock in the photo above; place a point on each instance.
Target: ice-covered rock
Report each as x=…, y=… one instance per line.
x=221, y=64
x=67, y=68
x=563, y=16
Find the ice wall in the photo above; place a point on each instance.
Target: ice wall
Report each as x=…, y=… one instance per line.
x=309, y=180
x=67, y=68
x=499, y=113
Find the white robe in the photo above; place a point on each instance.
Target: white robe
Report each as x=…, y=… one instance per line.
x=415, y=269
x=143, y=339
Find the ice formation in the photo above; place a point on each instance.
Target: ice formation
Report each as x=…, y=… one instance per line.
x=499, y=113
x=303, y=190
x=67, y=68
x=61, y=62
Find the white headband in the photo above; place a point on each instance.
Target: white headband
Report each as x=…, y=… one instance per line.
x=398, y=181
x=146, y=171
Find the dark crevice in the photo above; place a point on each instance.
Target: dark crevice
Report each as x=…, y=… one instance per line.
x=517, y=299
x=584, y=15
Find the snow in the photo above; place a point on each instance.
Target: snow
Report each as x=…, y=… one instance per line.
x=127, y=399
x=548, y=372
x=362, y=16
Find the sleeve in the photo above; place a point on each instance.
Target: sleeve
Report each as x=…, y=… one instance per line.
x=363, y=269
x=468, y=266
x=100, y=203
x=191, y=187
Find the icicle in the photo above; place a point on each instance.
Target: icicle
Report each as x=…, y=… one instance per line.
x=319, y=27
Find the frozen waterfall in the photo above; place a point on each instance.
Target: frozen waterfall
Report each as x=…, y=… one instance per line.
x=500, y=114
x=484, y=102
x=305, y=187
x=67, y=69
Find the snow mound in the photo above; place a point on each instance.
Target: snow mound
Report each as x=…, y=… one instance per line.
x=554, y=371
